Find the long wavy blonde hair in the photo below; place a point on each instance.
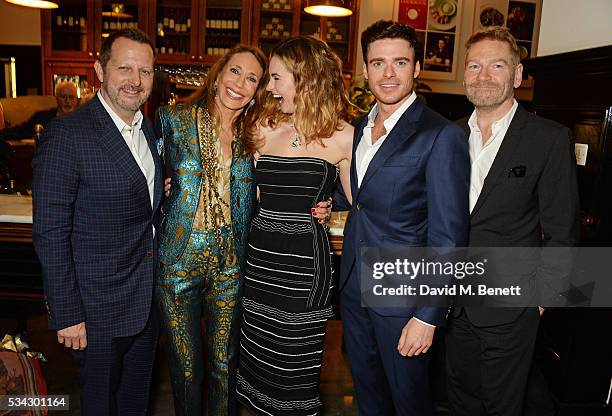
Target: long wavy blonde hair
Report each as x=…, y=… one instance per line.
x=321, y=101
x=206, y=94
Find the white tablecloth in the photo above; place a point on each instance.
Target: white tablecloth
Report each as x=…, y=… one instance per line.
x=15, y=208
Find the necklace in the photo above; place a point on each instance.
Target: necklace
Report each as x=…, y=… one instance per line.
x=296, y=143
x=210, y=150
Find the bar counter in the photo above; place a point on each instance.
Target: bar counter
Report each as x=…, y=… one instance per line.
x=16, y=222
x=15, y=219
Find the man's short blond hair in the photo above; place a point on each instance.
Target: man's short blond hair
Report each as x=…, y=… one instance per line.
x=501, y=34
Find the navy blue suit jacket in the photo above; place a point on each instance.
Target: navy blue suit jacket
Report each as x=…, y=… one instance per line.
x=93, y=223
x=414, y=193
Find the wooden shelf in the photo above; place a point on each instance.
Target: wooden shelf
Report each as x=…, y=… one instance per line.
x=236, y=9
x=84, y=42
x=70, y=31
x=273, y=11
x=174, y=6
x=179, y=34
x=269, y=39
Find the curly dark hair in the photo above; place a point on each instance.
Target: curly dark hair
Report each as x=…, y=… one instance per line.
x=387, y=29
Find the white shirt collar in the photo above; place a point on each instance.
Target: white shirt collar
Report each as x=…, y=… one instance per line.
x=390, y=122
x=501, y=124
x=137, y=122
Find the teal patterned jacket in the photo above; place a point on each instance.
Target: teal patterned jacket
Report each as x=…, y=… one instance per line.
x=180, y=150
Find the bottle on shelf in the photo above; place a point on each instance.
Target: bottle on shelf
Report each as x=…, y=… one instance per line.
x=8, y=184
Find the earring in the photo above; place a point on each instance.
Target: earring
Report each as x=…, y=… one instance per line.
x=215, y=87
x=251, y=103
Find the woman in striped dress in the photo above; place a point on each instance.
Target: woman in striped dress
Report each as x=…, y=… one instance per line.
x=305, y=145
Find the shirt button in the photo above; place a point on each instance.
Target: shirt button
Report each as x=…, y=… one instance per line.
x=149, y=254
x=359, y=206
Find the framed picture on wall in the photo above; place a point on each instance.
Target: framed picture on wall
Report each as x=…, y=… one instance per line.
x=522, y=17
x=438, y=24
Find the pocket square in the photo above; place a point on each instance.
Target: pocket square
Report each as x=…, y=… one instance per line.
x=159, y=144
x=518, y=171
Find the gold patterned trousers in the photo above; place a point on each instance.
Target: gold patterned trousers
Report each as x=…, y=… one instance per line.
x=204, y=283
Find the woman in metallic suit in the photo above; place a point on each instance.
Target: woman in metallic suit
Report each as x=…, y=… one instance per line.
x=207, y=150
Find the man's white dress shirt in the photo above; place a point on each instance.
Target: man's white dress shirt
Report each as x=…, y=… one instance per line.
x=137, y=143
x=365, y=149
x=483, y=155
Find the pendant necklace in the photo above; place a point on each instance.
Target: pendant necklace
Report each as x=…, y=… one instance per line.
x=296, y=143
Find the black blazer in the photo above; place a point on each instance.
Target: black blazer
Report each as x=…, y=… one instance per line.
x=93, y=222
x=536, y=206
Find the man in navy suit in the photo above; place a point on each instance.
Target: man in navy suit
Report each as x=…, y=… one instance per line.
x=409, y=182
x=97, y=187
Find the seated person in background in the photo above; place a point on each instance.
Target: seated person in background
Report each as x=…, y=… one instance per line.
x=67, y=101
x=66, y=97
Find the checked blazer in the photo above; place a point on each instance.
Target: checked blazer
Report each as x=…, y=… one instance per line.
x=93, y=223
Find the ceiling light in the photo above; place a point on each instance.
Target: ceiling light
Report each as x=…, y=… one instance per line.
x=37, y=4
x=329, y=8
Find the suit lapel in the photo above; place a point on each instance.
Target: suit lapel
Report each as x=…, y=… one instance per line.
x=159, y=179
x=117, y=150
x=402, y=131
x=499, y=168
x=356, y=139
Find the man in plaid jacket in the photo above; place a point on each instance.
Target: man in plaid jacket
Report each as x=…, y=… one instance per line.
x=97, y=188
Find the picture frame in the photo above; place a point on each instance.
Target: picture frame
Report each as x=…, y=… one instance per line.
x=522, y=17
x=438, y=26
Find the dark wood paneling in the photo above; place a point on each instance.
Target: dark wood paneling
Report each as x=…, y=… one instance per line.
x=575, y=89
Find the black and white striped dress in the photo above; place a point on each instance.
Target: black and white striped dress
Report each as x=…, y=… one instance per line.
x=287, y=289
